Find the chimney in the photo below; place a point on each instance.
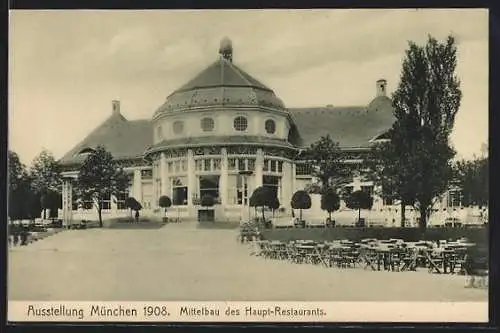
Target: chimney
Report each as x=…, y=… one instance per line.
x=116, y=107
x=381, y=87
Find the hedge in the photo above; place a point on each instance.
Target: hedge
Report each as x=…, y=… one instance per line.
x=478, y=235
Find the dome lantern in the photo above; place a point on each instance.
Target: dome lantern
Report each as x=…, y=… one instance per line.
x=226, y=49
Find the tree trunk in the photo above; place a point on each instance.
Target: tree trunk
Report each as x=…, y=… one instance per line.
x=300, y=215
x=44, y=213
x=263, y=216
x=423, y=218
x=403, y=214
x=99, y=212
x=359, y=216
x=330, y=216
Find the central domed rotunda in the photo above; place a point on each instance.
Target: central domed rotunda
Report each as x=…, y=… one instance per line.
x=222, y=134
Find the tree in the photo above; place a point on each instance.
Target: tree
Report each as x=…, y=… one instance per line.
x=51, y=200
x=301, y=200
x=390, y=172
x=327, y=161
x=359, y=200
x=473, y=178
x=263, y=197
x=165, y=202
x=99, y=177
x=20, y=196
x=45, y=171
x=330, y=201
x=274, y=203
x=425, y=105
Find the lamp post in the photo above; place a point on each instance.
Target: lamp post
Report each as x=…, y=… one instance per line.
x=245, y=174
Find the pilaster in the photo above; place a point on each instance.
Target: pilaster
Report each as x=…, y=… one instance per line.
x=191, y=177
x=223, y=190
x=259, y=164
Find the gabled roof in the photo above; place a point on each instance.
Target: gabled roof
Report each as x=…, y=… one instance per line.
x=122, y=138
x=351, y=126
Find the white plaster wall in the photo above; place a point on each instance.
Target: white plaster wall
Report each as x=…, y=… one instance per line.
x=223, y=124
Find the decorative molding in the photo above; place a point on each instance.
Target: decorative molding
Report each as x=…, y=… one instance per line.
x=211, y=150
x=241, y=150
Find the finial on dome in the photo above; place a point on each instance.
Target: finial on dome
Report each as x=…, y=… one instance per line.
x=226, y=49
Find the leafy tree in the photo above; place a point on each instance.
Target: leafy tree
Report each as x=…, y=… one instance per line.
x=301, y=200
x=263, y=197
x=330, y=201
x=100, y=176
x=20, y=193
x=274, y=203
x=51, y=200
x=425, y=105
x=45, y=171
x=359, y=200
x=388, y=170
x=327, y=161
x=165, y=202
x=473, y=179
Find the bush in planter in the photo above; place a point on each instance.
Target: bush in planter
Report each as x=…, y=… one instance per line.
x=330, y=202
x=133, y=205
x=264, y=197
x=301, y=200
x=359, y=200
x=165, y=202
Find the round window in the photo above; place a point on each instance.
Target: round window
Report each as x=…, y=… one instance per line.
x=159, y=132
x=178, y=127
x=240, y=123
x=270, y=126
x=207, y=124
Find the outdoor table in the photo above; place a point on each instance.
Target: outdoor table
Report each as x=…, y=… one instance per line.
x=369, y=256
x=435, y=262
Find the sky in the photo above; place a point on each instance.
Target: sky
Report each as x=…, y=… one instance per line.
x=65, y=67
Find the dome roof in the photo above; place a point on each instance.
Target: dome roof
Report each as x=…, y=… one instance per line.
x=222, y=84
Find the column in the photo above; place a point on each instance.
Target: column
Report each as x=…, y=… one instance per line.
x=223, y=183
x=191, y=177
x=114, y=204
x=137, y=185
x=293, y=175
x=286, y=184
x=67, y=203
x=164, y=175
x=259, y=163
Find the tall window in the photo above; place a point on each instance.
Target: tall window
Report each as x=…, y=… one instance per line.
x=179, y=191
x=120, y=200
x=454, y=197
x=207, y=124
x=209, y=185
x=147, y=174
x=270, y=126
x=240, y=123
x=368, y=190
x=236, y=190
x=303, y=169
x=273, y=183
x=106, y=202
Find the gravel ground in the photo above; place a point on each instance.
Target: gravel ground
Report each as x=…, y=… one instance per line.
x=182, y=262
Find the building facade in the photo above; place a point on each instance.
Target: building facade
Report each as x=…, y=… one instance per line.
x=223, y=134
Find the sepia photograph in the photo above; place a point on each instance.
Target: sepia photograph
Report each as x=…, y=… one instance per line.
x=329, y=155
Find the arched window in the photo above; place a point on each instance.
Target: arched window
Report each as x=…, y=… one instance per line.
x=270, y=126
x=178, y=127
x=240, y=123
x=207, y=124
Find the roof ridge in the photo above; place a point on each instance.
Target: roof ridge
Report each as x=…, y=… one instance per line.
x=237, y=70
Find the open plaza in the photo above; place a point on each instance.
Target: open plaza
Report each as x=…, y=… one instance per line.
x=185, y=261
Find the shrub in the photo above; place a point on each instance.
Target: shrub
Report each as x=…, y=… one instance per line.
x=301, y=200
